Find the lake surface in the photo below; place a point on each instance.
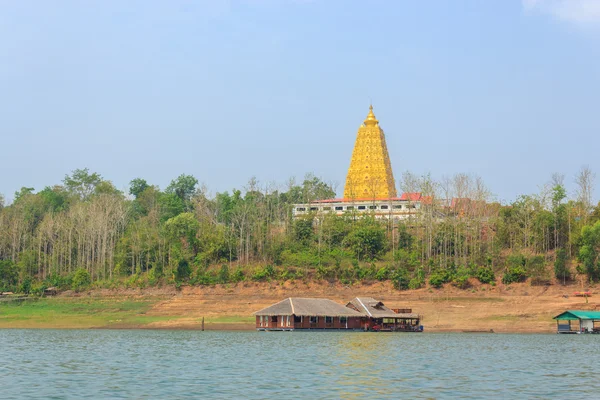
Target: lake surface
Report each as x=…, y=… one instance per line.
x=141, y=364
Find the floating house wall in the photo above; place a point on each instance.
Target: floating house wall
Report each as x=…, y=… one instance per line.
x=306, y=322
x=587, y=324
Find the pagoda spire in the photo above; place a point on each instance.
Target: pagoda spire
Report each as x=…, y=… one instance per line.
x=371, y=120
x=370, y=173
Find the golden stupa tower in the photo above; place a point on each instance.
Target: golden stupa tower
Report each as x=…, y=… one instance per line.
x=370, y=173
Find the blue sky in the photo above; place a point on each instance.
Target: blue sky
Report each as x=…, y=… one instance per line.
x=227, y=90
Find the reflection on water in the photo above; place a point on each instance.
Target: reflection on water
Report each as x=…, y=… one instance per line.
x=179, y=364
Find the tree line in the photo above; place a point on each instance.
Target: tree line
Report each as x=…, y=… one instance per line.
x=84, y=231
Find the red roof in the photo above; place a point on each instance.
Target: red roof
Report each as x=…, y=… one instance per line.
x=414, y=196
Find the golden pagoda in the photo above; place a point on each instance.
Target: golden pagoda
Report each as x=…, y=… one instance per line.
x=370, y=173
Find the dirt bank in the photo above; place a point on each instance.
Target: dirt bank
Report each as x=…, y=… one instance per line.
x=514, y=308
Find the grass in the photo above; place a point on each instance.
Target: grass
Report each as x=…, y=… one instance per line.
x=230, y=319
x=76, y=313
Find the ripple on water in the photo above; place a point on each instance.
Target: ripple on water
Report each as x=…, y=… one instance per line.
x=177, y=364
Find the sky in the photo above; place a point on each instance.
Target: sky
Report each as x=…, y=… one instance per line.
x=226, y=90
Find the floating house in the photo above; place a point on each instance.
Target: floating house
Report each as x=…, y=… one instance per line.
x=307, y=313
x=379, y=317
x=585, y=321
x=364, y=313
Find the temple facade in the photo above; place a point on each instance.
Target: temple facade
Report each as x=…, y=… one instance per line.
x=370, y=187
x=370, y=174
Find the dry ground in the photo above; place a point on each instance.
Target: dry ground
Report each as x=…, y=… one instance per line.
x=514, y=308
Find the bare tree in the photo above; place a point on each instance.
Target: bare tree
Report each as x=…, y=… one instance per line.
x=585, y=188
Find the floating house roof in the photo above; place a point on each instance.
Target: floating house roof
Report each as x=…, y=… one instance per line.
x=309, y=307
x=368, y=306
x=574, y=315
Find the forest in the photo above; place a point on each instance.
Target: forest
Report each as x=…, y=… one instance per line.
x=84, y=233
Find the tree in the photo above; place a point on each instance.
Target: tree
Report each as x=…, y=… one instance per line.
x=81, y=280
x=585, y=188
x=590, y=250
x=9, y=275
x=55, y=198
x=303, y=230
x=183, y=228
x=82, y=183
x=183, y=187
x=137, y=186
x=367, y=240
x=561, y=272
x=23, y=192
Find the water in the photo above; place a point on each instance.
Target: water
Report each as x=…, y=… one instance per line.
x=143, y=364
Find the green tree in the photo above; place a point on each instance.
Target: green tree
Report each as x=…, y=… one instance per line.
x=561, y=271
x=137, y=186
x=55, y=199
x=81, y=280
x=303, y=230
x=590, y=250
x=367, y=239
x=183, y=229
x=23, y=193
x=9, y=276
x=183, y=187
x=82, y=183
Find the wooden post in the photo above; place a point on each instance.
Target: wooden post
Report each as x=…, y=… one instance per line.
x=202, y=324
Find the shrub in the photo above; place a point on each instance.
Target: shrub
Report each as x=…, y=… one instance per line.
x=486, y=275
x=514, y=274
x=461, y=278
x=154, y=275
x=287, y=273
x=263, y=274
x=416, y=283
x=183, y=270
x=400, y=279
x=25, y=286
x=223, y=274
x=81, y=280
x=59, y=281
x=382, y=274
x=437, y=279
x=324, y=272
x=238, y=275
x=38, y=289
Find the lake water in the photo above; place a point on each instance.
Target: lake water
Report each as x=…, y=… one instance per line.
x=143, y=364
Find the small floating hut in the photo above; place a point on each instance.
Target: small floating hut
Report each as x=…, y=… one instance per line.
x=578, y=321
